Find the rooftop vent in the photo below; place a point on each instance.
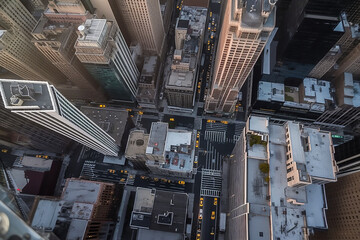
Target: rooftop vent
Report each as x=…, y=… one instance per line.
x=139, y=142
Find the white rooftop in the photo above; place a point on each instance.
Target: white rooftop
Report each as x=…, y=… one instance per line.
x=181, y=79
x=269, y=91
x=82, y=210
x=144, y=200
x=35, y=162
x=315, y=207
x=312, y=195
x=319, y=160
x=81, y=191
x=177, y=137
x=93, y=31
x=258, y=124
x=77, y=229
x=196, y=17
x=356, y=99
x=149, y=65
x=316, y=91
x=295, y=140
x=46, y=214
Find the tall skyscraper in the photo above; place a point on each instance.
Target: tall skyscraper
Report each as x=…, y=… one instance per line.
x=144, y=23
x=343, y=56
x=180, y=86
x=56, y=42
x=347, y=156
x=20, y=131
x=17, y=53
x=13, y=14
x=343, y=209
x=105, y=54
x=245, y=29
x=69, y=11
x=43, y=104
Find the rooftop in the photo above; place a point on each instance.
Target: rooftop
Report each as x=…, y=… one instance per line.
x=356, y=99
x=179, y=150
x=316, y=91
x=287, y=219
x=313, y=94
x=160, y=210
x=193, y=17
x=82, y=210
x=36, y=163
x=320, y=160
x=22, y=95
x=46, y=214
x=111, y=120
x=137, y=143
x=148, y=71
x=157, y=138
x=81, y=191
x=269, y=91
x=181, y=80
x=77, y=229
x=93, y=32
x=258, y=124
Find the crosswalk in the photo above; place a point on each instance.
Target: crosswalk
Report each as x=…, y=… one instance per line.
x=130, y=180
x=215, y=136
x=216, y=126
x=238, y=129
x=88, y=170
x=210, y=183
x=219, y=137
x=236, y=138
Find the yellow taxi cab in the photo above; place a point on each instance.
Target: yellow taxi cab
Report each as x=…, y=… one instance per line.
x=198, y=236
x=215, y=201
x=212, y=215
x=181, y=182
x=201, y=202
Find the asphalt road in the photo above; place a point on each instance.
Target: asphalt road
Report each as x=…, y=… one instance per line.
x=208, y=224
x=214, y=147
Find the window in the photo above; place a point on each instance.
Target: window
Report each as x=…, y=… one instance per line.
x=261, y=234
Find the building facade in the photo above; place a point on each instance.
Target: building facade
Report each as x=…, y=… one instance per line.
x=244, y=32
x=180, y=87
x=144, y=23
x=43, y=104
x=347, y=110
x=17, y=53
x=147, y=92
x=69, y=11
x=56, y=42
x=326, y=66
x=105, y=54
x=25, y=133
x=14, y=15
x=347, y=156
x=343, y=209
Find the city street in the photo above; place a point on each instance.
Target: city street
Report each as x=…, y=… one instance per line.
x=217, y=141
